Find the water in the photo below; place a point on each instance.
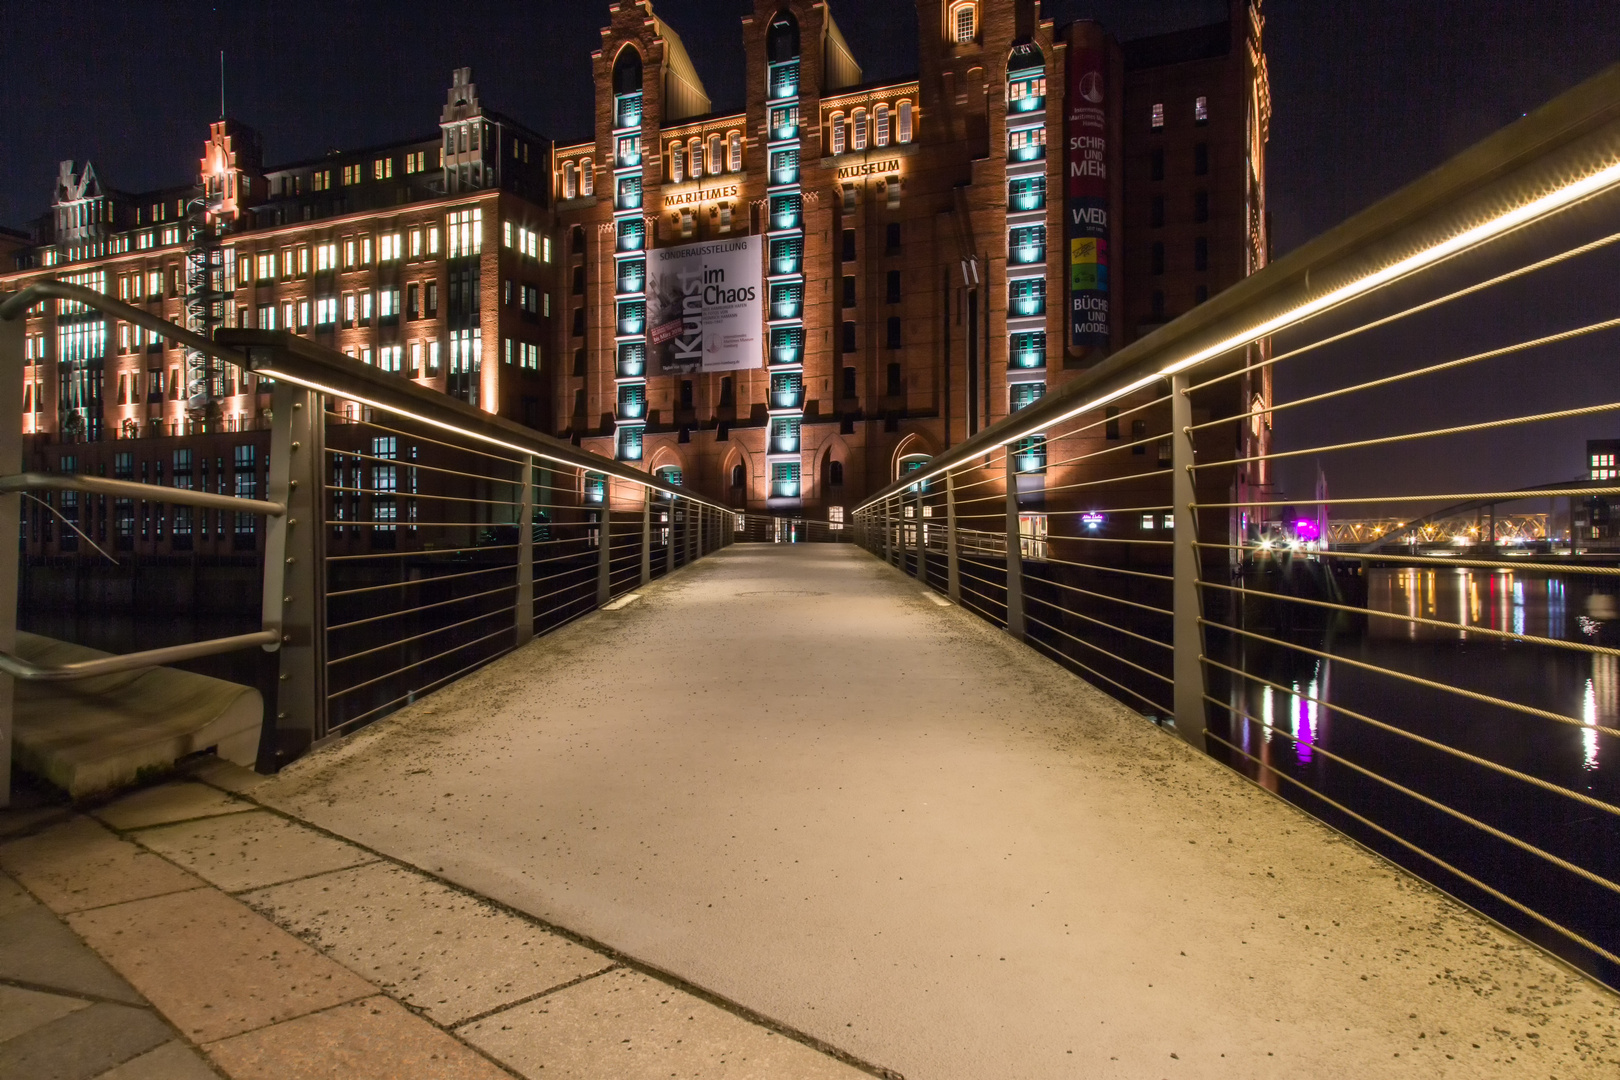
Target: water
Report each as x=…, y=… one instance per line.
x=1305, y=728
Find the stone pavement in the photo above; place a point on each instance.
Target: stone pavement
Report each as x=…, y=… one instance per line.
x=183, y=933
x=780, y=817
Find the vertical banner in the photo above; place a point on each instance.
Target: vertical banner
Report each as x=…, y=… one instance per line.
x=1086, y=197
x=704, y=304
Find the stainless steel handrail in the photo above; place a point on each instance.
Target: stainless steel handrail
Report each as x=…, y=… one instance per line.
x=27, y=671
x=133, y=489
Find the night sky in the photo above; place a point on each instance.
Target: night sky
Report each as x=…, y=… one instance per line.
x=1366, y=95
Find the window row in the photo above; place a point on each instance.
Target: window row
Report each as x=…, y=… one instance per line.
x=346, y=253
x=527, y=241
x=861, y=128
x=414, y=360
x=1156, y=258
x=696, y=157
x=1200, y=113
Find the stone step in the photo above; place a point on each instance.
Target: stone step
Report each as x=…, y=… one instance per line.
x=100, y=734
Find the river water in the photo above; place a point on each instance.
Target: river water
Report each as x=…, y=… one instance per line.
x=1323, y=715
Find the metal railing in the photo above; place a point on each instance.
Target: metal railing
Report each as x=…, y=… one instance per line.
x=1456, y=706
x=410, y=539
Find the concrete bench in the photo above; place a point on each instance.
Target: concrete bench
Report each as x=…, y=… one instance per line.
x=99, y=734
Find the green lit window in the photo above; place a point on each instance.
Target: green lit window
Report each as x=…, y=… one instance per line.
x=1025, y=394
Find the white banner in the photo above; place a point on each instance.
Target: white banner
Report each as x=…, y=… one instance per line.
x=704, y=306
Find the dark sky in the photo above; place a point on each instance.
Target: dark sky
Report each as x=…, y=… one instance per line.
x=1366, y=95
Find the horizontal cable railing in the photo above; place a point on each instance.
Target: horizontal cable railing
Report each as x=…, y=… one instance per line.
x=1421, y=645
x=408, y=538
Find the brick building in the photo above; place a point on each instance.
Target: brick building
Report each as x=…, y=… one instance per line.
x=938, y=252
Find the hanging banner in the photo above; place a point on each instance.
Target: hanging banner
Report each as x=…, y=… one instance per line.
x=705, y=306
x=1086, y=198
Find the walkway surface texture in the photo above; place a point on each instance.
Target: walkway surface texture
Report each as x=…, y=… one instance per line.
x=784, y=815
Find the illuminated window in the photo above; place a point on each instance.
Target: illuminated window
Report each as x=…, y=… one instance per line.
x=714, y=154
x=735, y=153
x=570, y=183
x=325, y=256
x=382, y=168
x=1150, y=521
x=587, y=177
x=963, y=23
x=677, y=163
x=466, y=229
x=1201, y=110
x=858, y=129
x=881, y=135
x=905, y=121
x=838, y=133
x=1158, y=116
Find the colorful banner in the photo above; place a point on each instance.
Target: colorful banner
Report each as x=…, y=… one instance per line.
x=704, y=306
x=1086, y=207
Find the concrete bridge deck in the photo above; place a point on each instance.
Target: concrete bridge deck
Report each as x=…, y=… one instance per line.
x=790, y=781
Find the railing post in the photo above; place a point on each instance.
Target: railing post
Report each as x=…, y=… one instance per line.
x=888, y=536
x=295, y=569
x=669, y=540
x=922, y=542
x=12, y=340
x=1186, y=635
x=953, y=566
x=604, y=544
x=523, y=616
x=691, y=534
x=1015, y=555
x=908, y=540
x=646, y=534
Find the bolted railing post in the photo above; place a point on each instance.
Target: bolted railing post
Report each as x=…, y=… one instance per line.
x=669, y=537
x=953, y=566
x=1015, y=555
x=1186, y=635
x=295, y=569
x=604, y=544
x=888, y=535
x=646, y=534
x=12, y=342
x=908, y=538
x=922, y=541
x=523, y=616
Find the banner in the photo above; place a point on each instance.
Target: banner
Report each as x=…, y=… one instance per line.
x=1086, y=198
x=704, y=306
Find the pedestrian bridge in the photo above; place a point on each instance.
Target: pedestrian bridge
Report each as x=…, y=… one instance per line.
x=1063, y=767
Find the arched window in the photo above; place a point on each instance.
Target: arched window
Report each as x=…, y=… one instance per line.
x=735, y=139
x=964, y=25
x=677, y=163
x=835, y=474
x=838, y=133
x=627, y=71
x=858, y=129
x=881, y=134
x=587, y=177
x=782, y=39
x=695, y=149
x=739, y=476
x=714, y=154
x=570, y=181
x=905, y=122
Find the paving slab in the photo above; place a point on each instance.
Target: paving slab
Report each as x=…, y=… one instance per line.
x=785, y=777
x=214, y=967
x=627, y=1026
x=252, y=850
x=38, y=949
x=79, y=864
x=23, y=1010
x=168, y=803
x=13, y=897
x=436, y=948
x=171, y=1061
x=82, y=1044
x=373, y=1039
